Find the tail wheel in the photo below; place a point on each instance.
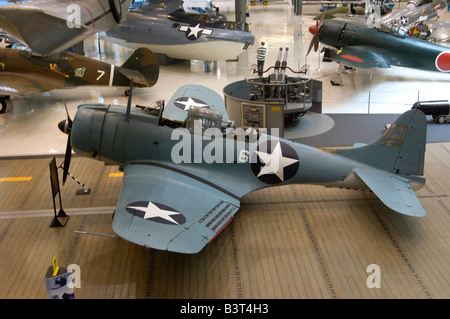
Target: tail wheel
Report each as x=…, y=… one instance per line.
x=441, y=119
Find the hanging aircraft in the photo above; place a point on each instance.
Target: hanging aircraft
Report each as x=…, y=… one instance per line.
x=166, y=29
x=356, y=7
x=420, y=18
x=414, y=12
x=358, y=46
x=22, y=72
x=50, y=26
x=185, y=174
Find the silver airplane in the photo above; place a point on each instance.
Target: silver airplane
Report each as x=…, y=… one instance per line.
x=51, y=26
x=165, y=28
x=424, y=10
x=186, y=168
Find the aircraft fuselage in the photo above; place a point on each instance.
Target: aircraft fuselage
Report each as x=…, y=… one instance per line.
x=181, y=36
x=402, y=51
x=232, y=163
x=62, y=70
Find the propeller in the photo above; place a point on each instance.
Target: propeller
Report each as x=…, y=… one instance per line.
x=66, y=127
x=314, y=30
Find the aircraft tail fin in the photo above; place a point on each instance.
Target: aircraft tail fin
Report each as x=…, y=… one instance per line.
x=401, y=149
x=142, y=66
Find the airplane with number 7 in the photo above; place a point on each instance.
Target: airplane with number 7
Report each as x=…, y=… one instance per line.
x=186, y=167
x=23, y=72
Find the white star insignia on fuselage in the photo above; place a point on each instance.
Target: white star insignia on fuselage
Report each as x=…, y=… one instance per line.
x=153, y=211
x=193, y=31
x=275, y=162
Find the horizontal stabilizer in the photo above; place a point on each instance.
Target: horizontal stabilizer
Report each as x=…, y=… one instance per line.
x=136, y=76
x=393, y=190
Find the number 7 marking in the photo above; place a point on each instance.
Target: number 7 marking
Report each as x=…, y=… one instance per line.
x=102, y=73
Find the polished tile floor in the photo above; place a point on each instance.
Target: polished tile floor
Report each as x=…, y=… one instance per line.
x=30, y=125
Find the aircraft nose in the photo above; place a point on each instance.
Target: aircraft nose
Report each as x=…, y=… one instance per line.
x=64, y=126
x=314, y=30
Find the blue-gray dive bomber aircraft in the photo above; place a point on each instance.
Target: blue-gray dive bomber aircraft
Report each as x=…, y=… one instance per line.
x=186, y=168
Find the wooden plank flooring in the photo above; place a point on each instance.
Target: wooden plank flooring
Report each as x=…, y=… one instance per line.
x=294, y=241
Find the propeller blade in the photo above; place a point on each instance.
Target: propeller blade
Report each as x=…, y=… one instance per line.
x=322, y=17
x=67, y=158
x=66, y=127
x=315, y=32
x=314, y=43
x=69, y=120
x=311, y=44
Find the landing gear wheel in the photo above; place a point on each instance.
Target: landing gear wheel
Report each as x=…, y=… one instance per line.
x=127, y=92
x=2, y=106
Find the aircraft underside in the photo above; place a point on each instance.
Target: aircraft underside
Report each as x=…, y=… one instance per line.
x=217, y=50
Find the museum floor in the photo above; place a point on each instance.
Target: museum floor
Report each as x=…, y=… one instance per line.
x=294, y=241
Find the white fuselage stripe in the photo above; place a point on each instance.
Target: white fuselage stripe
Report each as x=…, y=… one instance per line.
x=111, y=75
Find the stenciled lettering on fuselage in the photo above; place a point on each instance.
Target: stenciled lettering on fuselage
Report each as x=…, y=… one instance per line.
x=194, y=32
x=275, y=162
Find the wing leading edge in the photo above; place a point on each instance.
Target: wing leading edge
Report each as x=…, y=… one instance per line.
x=361, y=57
x=15, y=84
x=163, y=208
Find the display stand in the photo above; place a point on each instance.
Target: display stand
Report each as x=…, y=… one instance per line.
x=54, y=181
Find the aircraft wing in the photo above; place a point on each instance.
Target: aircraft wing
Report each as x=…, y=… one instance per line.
x=196, y=96
x=393, y=190
x=15, y=84
x=67, y=21
x=164, y=208
x=361, y=57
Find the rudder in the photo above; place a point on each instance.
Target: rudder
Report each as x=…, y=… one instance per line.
x=146, y=63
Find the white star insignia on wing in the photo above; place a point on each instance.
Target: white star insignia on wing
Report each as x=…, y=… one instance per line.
x=190, y=102
x=275, y=162
x=152, y=211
